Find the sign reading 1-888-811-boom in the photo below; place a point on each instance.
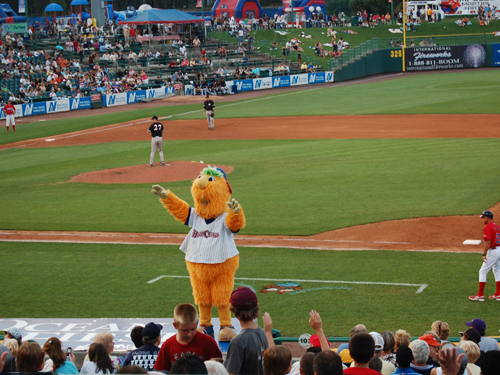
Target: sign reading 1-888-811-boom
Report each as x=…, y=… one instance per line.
x=445, y=57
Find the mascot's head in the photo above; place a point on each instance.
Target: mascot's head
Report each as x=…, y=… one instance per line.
x=211, y=192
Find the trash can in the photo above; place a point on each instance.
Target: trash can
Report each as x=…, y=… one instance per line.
x=439, y=17
x=354, y=21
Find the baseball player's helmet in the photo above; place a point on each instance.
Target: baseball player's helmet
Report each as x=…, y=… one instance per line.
x=487, y=214
x=154, y=118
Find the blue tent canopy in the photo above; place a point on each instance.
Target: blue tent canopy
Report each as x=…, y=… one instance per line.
x=79, y=2
x=53, y=8
x=154, y=16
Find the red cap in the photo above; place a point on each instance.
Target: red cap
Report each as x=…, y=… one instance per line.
x=243, y=298
x=430, y=339
x=314, y=340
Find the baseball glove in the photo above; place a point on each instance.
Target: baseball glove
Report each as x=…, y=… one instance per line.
x=212, y=114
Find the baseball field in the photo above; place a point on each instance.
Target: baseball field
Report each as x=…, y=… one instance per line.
x=362, y=193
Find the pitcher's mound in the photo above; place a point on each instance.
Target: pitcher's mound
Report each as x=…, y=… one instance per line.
x=140, y=174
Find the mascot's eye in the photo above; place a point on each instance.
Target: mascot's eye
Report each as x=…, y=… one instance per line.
x=200, y=176
x=211, y=178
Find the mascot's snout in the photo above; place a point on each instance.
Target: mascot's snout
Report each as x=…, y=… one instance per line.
x=202, y=181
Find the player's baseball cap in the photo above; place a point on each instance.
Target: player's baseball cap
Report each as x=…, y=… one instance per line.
x=487, y=214
x=207, y=96
x=152, y=330
x=243, y=298
x=154, y=118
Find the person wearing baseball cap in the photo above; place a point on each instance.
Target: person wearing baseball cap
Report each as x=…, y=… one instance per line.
x=387, y=367
x=245, y=354
x=487, y=343
x=146, y=355
x=434, y=345
x=208, y=110
x=14, y=333
x=491, y=257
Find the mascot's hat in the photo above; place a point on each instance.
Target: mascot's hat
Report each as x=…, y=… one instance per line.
x=225, y=178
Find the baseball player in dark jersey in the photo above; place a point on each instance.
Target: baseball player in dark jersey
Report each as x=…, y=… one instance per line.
x=208, y=110
x=156, y=130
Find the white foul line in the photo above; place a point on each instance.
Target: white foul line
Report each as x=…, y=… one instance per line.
x=420, y=289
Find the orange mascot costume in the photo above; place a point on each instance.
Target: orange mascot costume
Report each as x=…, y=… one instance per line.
x=211, y=255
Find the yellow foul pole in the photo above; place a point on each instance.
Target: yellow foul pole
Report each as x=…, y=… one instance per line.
x=404, y=34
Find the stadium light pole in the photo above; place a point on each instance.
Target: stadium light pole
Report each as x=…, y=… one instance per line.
x=292, y=15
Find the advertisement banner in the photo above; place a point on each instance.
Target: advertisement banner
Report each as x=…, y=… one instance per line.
x=80, y=103
x=14, y=28
x=244, y=85
x=496, y=54
x=57, y=106
x=465, y=6
x=116, y=99
x=136, y=96
x=22, y=6
x=80, y=333
x=299, y=79
x=263, y=83
x=445, y=57
x=283, y=81
x=33, y=109
x=329, y=76
x=316, y=77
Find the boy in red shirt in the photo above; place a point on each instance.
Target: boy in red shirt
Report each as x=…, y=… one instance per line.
x=9, y=110
x=187, y=340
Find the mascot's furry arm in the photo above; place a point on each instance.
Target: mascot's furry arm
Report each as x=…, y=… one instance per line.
x=178, y=208
x=235, y=219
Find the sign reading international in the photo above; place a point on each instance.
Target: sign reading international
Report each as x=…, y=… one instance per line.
x=445, y=57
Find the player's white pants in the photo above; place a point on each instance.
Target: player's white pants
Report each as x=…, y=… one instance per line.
x=10, y=119
x=210, y=120
x=156, y=143
x=492, y=261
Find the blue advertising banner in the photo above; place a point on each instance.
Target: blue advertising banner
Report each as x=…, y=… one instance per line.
x=244, y=85
x=34, y=109
x=316, y=77
x=80, y=103
x=496, y=54
x=283, y=81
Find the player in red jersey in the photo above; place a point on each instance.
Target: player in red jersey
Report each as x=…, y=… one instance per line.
x=491, y=256
x=9, y=110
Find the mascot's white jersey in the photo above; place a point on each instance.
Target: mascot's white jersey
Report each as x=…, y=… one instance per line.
x=208, y=243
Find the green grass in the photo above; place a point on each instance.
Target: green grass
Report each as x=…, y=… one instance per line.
x=453, y=92
x=289, y=187
x=50, y=280
x=446, y=27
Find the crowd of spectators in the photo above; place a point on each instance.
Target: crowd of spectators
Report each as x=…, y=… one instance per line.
x=254, y=352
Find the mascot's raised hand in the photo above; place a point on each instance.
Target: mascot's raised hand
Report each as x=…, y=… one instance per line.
x=211, y=255
x=160, y=191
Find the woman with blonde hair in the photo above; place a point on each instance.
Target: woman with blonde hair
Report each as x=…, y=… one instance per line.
x=401, y=338
x=106, y=339
x=442, y=329
x=277, y=360
x=473, y=353
x=99, y=361
x=12, y=345
x=57, y=362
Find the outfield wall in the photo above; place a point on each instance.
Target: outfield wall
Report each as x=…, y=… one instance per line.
x=275, y=82
x=64, y=105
